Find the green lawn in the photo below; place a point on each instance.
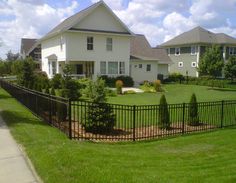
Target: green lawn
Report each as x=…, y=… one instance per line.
x=206, y=157
x=176, y=93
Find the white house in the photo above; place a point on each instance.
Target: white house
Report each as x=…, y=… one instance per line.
x=94, y=41
x=147, y=63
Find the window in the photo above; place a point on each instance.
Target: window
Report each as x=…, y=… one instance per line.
x=103, y=67
x=109, y=44
x=140, y=66
x=112, y=67
x=168, y=51
x=177, y=51
x=122, y=68
x=232, y=50
x=193, y=50
x=180, y=64
x=148, y=68
x=194, y=64
x=52, y=67
x=89, y=43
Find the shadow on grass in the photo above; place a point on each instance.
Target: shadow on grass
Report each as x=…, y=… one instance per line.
x=3, y=96
x=13, y=118
x=223, y=89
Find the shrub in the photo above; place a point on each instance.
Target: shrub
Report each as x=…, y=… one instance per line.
x=127, y=80
x=42, y=79
x=175, y=77
x=119, y=85
x=101, y=118
x=70, y=89
x=56, y=81
x=61, y=109
x=147, y=87
x=47, y=90
x=53, y=91
x=164, y=117
x=193, y=111
x=110, y=81
x=160, y=77
x=157, y=85
x=111, y=93
x=53, y=102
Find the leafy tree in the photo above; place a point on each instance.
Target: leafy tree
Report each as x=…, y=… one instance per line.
x=164, y=116
x=26, y=75
x=101, y=118
x=70, y=88
x=57, y=81
x=193, y=111
x=212, y=62
x=230, y=68
x=12, y=56
x=16, y=67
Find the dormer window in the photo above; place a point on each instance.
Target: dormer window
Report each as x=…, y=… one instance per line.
x=89, y=43
x=109, y=44
x=177, y=51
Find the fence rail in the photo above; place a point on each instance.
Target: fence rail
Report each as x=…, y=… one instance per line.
x=112, y=122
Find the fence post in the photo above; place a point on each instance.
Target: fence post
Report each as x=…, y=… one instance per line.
x=50, y=108
x=69, y=115
x=183, y=118
x=134, y=110
x=222, y=113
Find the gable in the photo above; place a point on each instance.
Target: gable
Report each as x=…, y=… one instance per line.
x=101, y=19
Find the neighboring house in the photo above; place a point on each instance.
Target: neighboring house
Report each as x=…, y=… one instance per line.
x=186, y=49
x=94, y=42
x=147, y=63
x=30, y=48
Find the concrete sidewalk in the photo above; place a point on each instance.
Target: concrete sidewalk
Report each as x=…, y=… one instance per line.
x=14, y=166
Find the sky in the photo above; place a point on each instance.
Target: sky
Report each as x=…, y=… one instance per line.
x=158, y=20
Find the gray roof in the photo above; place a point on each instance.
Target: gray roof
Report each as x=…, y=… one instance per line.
x=76, y=18
x=200, y=35
x=141, y=49
x=26, y=44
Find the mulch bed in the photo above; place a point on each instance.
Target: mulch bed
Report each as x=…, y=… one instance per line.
x=141, y=133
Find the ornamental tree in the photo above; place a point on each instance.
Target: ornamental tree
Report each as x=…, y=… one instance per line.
x=230, y=68
x=212, y=62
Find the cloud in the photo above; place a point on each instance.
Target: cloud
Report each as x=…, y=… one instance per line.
x=29, y=19
x=113, y=4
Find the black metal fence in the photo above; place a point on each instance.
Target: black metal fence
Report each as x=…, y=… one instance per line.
x=112, y=122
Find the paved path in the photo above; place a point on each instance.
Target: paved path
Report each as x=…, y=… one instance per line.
x=14, y=167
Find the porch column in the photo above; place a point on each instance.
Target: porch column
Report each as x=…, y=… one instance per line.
x=224, y=53
x=96, y=69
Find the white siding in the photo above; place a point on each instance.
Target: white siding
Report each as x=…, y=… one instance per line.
x=53, y=46
x=77, y=49
x=140, y=74
x=101, y=19
x=163, y=69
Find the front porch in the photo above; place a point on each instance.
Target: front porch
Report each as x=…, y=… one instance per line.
x=80, y=69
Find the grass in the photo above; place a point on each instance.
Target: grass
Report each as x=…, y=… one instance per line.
x=176, y=93
x=206, y=157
